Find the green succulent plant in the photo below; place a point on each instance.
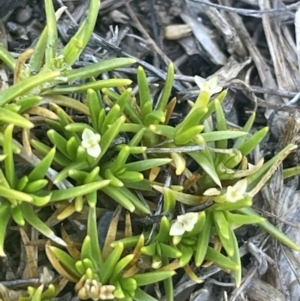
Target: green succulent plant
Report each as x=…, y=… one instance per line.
x=120, y=150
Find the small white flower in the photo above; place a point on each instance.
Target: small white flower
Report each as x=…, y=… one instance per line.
x=90, y=141
x=46, y=276
x=236, y=192
x=210, y=85
x=233, y=193
x=184, y=223
x=212, y=192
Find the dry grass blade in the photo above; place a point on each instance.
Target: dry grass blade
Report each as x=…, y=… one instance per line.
x=283, y=56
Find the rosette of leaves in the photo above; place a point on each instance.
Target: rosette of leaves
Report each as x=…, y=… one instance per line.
x=101, y=276
x=48, y=69
x=20, y=196
x=227, y=179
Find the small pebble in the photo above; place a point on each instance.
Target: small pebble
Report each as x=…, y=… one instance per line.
x=24, y=14
x=16, y=29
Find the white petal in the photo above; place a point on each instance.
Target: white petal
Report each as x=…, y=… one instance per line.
x=213, y=82
x=213, y=85
x=94, y=151
x=97, y=137
x=233, y=195
x=86, y=143
x=199, y=81
x=177, y=229
x=212, y=192
x=87, y=134
x=241, y=186
x=216, y=90
x=190, y=219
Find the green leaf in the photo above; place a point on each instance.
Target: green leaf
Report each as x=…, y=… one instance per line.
x=22, y=182
x=166, y=93
x=246, y=202
x=37, y=58
x=4, y=219
x=97, y=68
x=65, y=172
x=24, y=86
x=211, y=105
x=163, y=130
x=291, y=172
x=9, y=158
x=248, y=146
x=223, y=230
x=118, y=197
x=188, y=199
x=76, y=45
x=114, y=181
x=164, y=229
x=188, y=135
x=59, y=142
x=92, y=232
x=134, y=200
x=35, y=186
x=203, y=241
x=202, y=160
x=42, y=167
x=15, y=148
x=220, y=260
x=59, y=159
x=272, y=230
x=95, y=106
x=129, y=110
x=263, y=172
x=222, y=135
x=7, y=58
x=121, y=159
x=111, y=262
x=221, y=124
x=247, y=127
x=131, y=176
x=243, y=219
x=11, y=117
x=192, y=119
x=70, y=103
x=14, y=194
x=99, y=84
x=110, y=135
x=111, y=117
x=141, y=295
x=237, y=274
x=149, y=250
x=187, y=253
x=52, y=39
x=67, y=262
x=27, y=102
x=152, y=277
x=136, y=139
x=32, y=218
x=86, y=249
x=124, y=99
x=40, y=201
x=70, y=193
x=129, y=242
x=154, y=117
x=120, y=266
x=17, y=215
x=144, y=91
